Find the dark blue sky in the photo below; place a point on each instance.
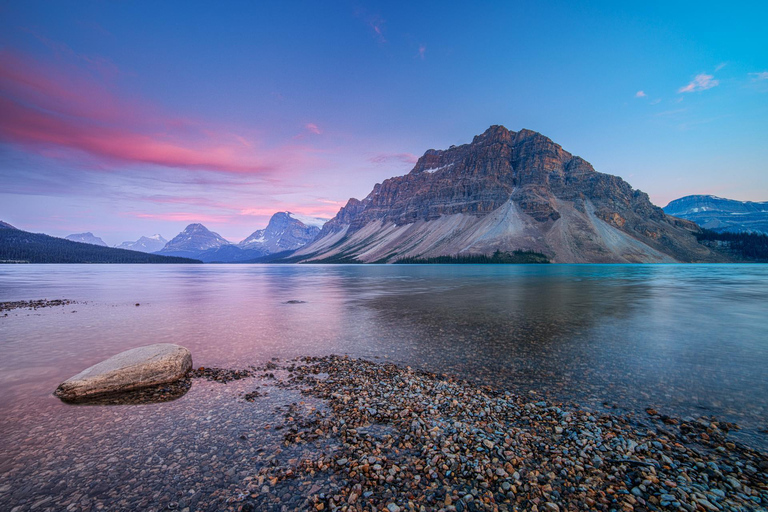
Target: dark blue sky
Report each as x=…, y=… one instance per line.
x=131, y=118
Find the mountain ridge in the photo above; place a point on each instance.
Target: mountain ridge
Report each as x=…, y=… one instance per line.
x=86, y=238
x=720, y=214
x=147, y=244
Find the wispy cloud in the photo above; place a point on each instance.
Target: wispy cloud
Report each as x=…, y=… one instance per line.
x=179, y=216
x=759, y=77
x=701, y=82
x=640, y=94
x=670, y=113
x=98, y=63
x=720, y=66
x=422, y=54
x=376, y=23
x=385, y=158
x=312, y=128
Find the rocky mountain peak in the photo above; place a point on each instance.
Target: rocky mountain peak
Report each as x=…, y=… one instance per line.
x=196, y=227
x=194, y=239
x=506, y=190
x=493, y=135
x=285, y=231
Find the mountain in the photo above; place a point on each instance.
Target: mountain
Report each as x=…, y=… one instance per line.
x=721, y=215
x=152, y=243
x=86, y=238
x=285, y=231
x=5, y=225
x=506, y=191
x=193, y=241
x=17, y=246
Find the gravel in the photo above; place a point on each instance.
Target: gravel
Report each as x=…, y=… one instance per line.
x=412, y=440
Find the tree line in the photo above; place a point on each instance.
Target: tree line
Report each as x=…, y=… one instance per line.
x=17, y=246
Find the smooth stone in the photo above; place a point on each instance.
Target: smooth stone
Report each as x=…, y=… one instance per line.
x=133, y=369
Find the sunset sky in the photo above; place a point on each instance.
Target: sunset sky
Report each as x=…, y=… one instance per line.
x=133, y=118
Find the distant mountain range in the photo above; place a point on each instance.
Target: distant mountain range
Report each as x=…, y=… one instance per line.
x=286, y=231
x=86, y=238
x=721, y=215
x=17, y=246
x=506, y=191
x=152, y=243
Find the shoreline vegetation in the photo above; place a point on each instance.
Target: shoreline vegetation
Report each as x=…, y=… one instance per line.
x=747, y=247
x=395, y=439
x=498, y=257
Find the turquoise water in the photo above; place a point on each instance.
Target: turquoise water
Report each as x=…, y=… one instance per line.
x=687, y=340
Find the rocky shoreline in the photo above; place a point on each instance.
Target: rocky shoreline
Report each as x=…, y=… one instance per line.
x=335, y=433
x=35, y=304
x=396, y=439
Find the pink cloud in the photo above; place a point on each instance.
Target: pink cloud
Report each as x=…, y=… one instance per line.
x=180, y=217
x=384, y=158
x=322, y=211
x=422, y=51
x=312, y=127
x=62, y=107
x=701, y=82
x=640, y=94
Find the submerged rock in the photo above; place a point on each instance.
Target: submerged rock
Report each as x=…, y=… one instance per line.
x=133, y=369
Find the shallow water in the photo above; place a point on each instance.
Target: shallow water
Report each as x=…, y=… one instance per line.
x=687, y=340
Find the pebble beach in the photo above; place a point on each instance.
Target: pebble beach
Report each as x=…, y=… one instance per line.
x=392, y=438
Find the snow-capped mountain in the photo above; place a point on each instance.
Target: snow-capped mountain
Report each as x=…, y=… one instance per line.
x=720, y=214
x=193, y=241
x=286, y=231
x=152, y=243
x=86, y=238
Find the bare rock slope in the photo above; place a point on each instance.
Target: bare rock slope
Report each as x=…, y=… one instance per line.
x=508, y=191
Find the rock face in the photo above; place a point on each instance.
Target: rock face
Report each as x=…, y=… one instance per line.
x=86, y=238
x=127, y=371
x=194, y=240
x=152, y=243
x=286, y=231
x=719, y=214
x=507, y=191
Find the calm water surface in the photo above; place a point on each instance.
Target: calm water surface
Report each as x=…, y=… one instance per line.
x=688, y=340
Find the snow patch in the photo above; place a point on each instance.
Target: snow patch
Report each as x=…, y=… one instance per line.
x=307, y=220
x=436, y=169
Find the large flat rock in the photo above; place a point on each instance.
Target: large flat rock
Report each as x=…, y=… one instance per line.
x=127, y=371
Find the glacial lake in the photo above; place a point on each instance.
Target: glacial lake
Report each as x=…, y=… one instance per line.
x=686, y=340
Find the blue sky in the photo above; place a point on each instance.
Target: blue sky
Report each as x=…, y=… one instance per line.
x=133, y=118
